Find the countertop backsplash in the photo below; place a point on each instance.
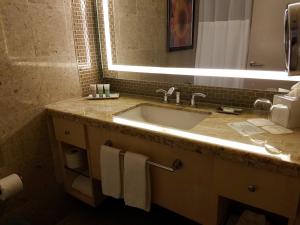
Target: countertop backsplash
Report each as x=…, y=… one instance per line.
x=216, y=95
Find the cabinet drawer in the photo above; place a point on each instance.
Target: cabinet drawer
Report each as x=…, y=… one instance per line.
x=262, y=189
x=69, y=132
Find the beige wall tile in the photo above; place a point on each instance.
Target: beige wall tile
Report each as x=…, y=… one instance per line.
x=16, y=34
x=126, y=6
x=49, y=31
x=49, y=2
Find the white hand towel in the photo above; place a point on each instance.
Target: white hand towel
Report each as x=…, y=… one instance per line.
x=111, y=171
x=137, y=189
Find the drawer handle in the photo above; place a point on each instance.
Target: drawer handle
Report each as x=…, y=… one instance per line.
x=252, y=188
x=67, y=132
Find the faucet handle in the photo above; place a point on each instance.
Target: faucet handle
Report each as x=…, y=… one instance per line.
x=161, y=91
x=171, y=90
x=165, y=94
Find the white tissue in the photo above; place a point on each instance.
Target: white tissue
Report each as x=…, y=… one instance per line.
x=10, y=186
x=295, y=91
x=296, y=86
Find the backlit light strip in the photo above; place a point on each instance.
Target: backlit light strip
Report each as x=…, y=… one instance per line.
x=249, y=74
x=195, y=137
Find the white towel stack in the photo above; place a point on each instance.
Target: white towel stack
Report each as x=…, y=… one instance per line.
x=137, y=187
x=111, y=172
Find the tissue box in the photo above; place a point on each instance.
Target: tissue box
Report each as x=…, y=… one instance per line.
x=290, y=118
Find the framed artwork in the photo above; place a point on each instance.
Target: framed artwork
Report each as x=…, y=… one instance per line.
x=180, y=24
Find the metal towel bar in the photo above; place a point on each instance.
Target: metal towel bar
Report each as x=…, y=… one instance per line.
x=176, y=165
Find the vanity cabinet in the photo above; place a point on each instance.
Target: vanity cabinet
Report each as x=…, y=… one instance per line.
x=187, y=191
x=193, y=191
x=70, y=136
x=273, y=192
x=262, y=189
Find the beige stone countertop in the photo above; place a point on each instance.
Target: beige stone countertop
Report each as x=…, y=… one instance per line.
x=211, y=136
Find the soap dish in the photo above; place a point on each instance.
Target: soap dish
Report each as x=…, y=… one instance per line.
x=229, y=110
x=98, y=97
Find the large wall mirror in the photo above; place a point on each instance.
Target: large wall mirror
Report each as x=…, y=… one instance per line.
x=227, y=41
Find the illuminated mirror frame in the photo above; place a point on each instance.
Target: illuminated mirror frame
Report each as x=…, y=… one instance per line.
x=229, y=73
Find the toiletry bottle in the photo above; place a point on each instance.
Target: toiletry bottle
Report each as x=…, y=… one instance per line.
x=100, y=90
x=93, y=90
x=107, y=90
x=177, y=98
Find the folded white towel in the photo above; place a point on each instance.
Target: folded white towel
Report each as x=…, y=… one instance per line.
x=111, y=172
x=251, y=218
x=137, y=189
x=83, y=185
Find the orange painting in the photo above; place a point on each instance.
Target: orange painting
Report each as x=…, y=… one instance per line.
x=180, y=24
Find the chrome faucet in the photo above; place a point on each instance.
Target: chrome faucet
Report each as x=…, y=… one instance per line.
x=166, y=93
x=196, y=95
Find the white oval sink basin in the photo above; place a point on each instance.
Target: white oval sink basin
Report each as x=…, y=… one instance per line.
x=164, y=116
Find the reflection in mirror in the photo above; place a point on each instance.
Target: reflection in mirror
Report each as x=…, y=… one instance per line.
x=227, y=34
x=292, y=38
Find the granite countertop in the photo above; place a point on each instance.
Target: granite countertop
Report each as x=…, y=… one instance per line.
x=212, y=136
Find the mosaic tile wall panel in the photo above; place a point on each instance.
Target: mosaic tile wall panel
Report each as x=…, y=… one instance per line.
x=216, y=95
x=86, y=40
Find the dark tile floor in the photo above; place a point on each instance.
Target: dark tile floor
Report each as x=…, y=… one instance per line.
x=113, y=212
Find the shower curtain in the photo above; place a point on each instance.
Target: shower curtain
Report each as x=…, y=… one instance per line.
x=223, y=37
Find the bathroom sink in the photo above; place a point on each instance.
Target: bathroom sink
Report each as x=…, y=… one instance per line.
x=164, y=116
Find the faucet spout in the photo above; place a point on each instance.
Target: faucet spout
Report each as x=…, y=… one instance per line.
x=196, y=95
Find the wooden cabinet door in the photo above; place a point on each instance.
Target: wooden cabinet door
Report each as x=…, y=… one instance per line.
x=262, y=189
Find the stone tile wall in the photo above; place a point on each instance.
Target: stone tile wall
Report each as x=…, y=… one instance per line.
x=37, y=66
